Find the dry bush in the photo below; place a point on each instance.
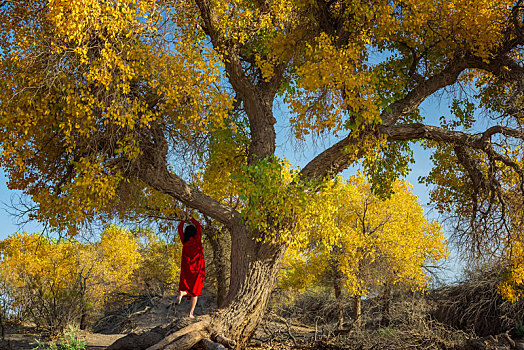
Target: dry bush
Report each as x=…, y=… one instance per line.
x=429, y=335
x=411, y=324
x=313, y=307
x=410, y=327
x=476, y=305
x=117, y=313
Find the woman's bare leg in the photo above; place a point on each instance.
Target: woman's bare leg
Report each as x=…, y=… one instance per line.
x=193, y=304
x=180, y=296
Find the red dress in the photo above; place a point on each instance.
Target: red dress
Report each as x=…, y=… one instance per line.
x=193, y=266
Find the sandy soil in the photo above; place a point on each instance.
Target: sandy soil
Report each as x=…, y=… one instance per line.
x=273, y=333
x=22, y=337
x=159, y=311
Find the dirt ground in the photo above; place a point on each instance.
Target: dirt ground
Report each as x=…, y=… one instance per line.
x=22, y=337
x=157, y=311
x=273, y=333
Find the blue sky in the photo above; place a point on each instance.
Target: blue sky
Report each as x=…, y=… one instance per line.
x=7, y=223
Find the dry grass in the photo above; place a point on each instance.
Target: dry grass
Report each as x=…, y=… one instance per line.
x=475, y=305
x=411, y=326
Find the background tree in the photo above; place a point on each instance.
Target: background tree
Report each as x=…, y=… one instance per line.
x=159, y=265
x=57, y=283
x=369, y=244
x=97, y=95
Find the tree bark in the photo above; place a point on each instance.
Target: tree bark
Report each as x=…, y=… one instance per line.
x=338, y=297
x=386, y=306
x=83, y=319
x=221, y=250
x=338, y=284
x=357, y=312
x=254, y=268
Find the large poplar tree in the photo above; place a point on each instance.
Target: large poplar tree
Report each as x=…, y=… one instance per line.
x=100, y=99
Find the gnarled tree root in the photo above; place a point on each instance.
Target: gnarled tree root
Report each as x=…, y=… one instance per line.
x=186, y=341
x=210, y=345
x=190, y=335
x=197, y=329
x=228, y=343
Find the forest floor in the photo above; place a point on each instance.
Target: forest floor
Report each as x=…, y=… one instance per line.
x=275, y=332
x=23, y=337
x=297, y=326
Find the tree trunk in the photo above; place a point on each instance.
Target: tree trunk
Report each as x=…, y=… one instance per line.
x=220, y=244
x=254, y=268
x=254, y=264
x=338, y=283
x=357, y=311
x=386, y=303
x=84, y=308
x=83, y=319
x=2, y=329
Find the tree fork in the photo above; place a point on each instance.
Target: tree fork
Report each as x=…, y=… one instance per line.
x=254, y=269
x=254, y=264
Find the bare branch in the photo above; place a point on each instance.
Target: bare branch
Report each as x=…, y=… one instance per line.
x=331, y=161
x=152, y=169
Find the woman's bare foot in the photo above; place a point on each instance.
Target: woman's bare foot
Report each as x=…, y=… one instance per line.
x=180, y=296
x=191, y=316
x=193, y=304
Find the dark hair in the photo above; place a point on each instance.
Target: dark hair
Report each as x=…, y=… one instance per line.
x=189, y=231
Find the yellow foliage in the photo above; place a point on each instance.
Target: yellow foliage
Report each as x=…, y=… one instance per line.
x=85, y=75
x=159, y=264
x=87, y=84
x=68, y=273
x=371, y=241
x=511, y=287
x=116, y=257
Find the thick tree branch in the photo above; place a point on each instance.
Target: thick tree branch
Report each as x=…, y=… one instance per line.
x=462, y=140
x=500, y=65
x=504, y=68
x=159, y=178
x=475, y=174
x=258, y=102
x=423, y=90
x=335, y=158
x=331, y=161
x=407, y=132
x=152, y=169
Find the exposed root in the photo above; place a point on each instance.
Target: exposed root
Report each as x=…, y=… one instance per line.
x=211, y=345
x=197, y=329
x=186, y=342
x=228, y=343
x=188, y=336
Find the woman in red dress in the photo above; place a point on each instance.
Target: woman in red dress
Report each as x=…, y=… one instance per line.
x=193, y=266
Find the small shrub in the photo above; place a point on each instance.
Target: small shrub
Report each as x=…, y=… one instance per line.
x=70, y=340
x=387, y=332
x=518, y=330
